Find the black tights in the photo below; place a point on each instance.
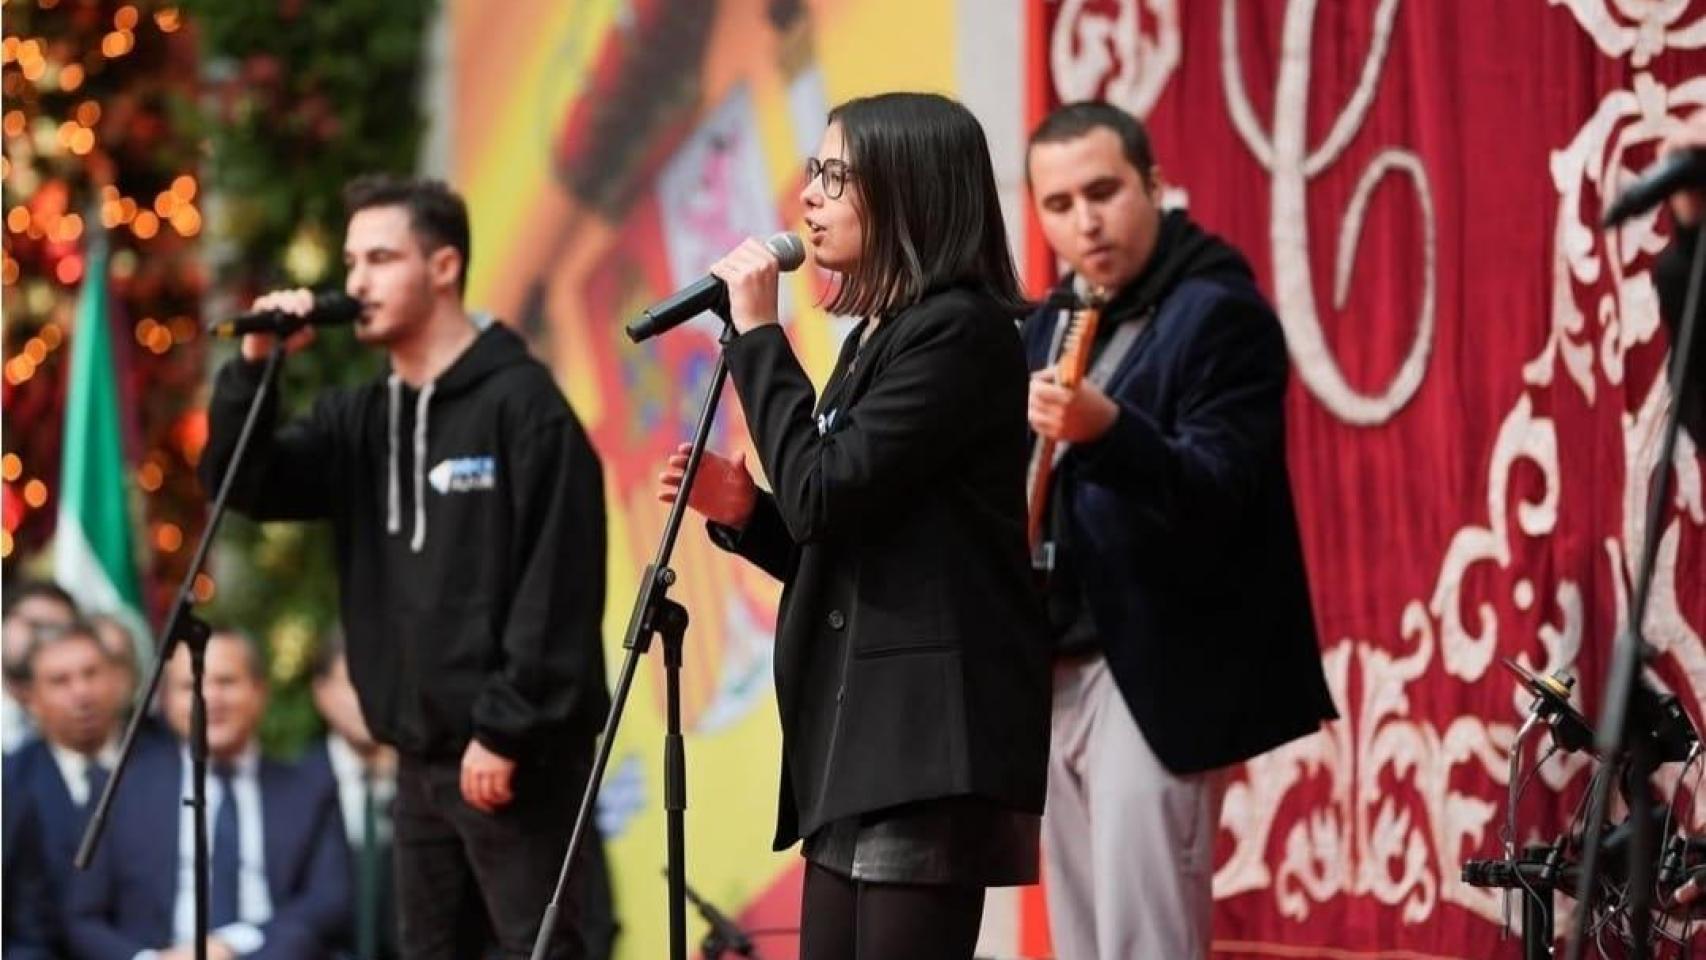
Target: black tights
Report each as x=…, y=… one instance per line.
x=842, y=919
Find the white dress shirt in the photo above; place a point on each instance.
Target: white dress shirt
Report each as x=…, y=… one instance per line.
x=74, y=768
x=351, y=774
x=16, y=726
x=254, y=900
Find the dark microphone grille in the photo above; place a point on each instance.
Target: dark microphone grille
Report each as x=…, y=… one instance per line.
x=336, y=307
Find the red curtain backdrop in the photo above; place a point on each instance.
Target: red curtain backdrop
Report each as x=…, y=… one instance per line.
x=1475, y=407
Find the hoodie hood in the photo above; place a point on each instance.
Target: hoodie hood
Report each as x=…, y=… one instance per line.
x=496, y=348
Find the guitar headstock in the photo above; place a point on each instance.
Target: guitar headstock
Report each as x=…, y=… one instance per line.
x=1080, y=337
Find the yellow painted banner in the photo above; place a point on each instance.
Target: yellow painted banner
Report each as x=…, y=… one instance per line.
x=609, y=152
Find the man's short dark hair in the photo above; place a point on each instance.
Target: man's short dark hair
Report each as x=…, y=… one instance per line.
x=52, y=635
x=17, y=593
x=437, y=214
x=1073, y=120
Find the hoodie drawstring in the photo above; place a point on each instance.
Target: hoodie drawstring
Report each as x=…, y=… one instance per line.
x=393, y=484
x=419, y=539
x=393, y=491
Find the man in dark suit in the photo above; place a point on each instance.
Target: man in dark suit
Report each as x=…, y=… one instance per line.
x=73, y=694
x=26, y=906
x=1176, y=586
x=365, y=771
x=29, y=607
x=279, y=864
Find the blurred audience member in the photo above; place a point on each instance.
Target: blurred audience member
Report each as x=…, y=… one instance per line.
x=279, y=864
x=28, y=606
x=26, y=905
x=120, y=643
x=68, y=682
x=366, y=774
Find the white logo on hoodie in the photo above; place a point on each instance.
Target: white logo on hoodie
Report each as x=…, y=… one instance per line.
x=463, y=474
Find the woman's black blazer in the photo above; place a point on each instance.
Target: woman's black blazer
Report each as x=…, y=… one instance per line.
x=912, y=659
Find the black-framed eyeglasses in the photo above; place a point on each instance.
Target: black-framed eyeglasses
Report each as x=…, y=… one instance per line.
x=835, y=174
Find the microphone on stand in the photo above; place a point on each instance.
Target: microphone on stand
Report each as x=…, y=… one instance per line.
x=332, y=308
x=1682, y=170
x=708, y=293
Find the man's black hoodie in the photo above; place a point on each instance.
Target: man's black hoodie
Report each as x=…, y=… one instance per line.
x=469, y=527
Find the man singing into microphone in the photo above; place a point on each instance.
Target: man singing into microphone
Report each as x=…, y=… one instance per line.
x=469, y=518
x=1184, y=637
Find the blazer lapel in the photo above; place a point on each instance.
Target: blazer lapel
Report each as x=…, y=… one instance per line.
x=834, y=390
x=1128, y=363
x=853, y=372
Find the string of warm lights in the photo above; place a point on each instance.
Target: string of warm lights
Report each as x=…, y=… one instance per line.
x=76, y=139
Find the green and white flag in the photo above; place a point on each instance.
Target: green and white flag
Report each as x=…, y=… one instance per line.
x=92, y=555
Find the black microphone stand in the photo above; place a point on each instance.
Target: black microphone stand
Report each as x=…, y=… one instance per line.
x=1625, y=690
x=724, y=935
x=183, y=626
x=653, y=612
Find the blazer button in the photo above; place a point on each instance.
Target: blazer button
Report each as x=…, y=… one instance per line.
x=837, y=620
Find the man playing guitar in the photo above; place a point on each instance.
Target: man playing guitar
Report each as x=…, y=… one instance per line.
x=1175, y=580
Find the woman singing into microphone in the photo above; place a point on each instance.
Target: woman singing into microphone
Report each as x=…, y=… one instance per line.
x=912, y=666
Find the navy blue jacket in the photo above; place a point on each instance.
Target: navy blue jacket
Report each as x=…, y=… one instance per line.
x=35, y=787
x=29, y=911
x=34, y=779
x=1181, y=525
x=124, y=902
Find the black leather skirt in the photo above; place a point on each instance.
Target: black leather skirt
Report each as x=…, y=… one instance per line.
x=958, y=841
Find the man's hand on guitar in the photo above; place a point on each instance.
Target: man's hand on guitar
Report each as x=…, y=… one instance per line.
x=723, y=489
x=1075, y=414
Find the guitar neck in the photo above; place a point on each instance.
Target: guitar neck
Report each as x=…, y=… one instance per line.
x=1069, y=373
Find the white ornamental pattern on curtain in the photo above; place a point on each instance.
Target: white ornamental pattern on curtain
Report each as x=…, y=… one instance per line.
x=1284, y=151
x=1094, y=53
x=1406, y=852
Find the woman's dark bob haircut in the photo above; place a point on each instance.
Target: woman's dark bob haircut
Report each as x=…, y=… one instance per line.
x=930, y=214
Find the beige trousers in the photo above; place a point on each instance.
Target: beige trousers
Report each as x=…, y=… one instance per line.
x=1128, y=847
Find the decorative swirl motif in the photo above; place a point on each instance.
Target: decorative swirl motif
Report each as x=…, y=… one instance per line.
x=1654, y=28
x=1364, y=840
x=1092, y=54
x=1286, y=155
x=1521, y=437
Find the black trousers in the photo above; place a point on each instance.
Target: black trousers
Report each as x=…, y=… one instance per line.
x=845, y=919
x=471, y=884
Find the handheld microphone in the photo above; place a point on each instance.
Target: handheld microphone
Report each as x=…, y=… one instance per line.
x=708, y=293
x=331, y=308
x=1682, y=170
